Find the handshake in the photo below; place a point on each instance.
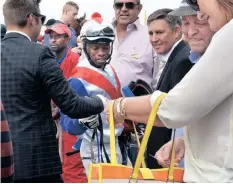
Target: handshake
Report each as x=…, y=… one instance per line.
x=92, y=122
x=118, y=110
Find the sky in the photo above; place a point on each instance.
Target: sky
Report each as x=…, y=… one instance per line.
x=53, y=8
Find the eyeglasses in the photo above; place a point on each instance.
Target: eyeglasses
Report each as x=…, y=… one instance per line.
x=193, y=4
x=42, y=17
x=128, y=5
x=107, y=31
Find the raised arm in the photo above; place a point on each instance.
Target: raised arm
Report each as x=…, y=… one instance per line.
x=61, y=93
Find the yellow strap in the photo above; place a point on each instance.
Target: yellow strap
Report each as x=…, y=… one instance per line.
x=146, y=174
x=149, y=126
x=138, y=143
x=90, y=173
x=112, y=136
x=100, y=173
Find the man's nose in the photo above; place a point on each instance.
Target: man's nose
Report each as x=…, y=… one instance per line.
x=124, y=8
x=154, y=38
x=101, y=52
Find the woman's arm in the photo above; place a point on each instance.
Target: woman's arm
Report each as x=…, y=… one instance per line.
x=203, y=88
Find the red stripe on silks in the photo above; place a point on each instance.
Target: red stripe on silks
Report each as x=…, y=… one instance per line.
x=118, y=81
x=7, y=172
x=99, y=80
x=6, y=149
x=4, y=126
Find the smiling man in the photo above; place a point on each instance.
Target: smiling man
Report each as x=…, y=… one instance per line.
x=133, y=56
x=173, y=56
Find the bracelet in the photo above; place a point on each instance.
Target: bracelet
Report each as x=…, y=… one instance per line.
x=122, y=108
x=119, y=108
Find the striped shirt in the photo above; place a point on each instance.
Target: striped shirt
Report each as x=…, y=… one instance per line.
x=7, y=165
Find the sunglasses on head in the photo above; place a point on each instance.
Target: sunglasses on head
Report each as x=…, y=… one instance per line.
x=193, y=4
x=107, y=31
x=128, y=5
x=42, y=17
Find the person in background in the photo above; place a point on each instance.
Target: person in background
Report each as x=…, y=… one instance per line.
x=133, y=57
x=59, y=37
x=30, y=79
x=94, y=75
x=48, y=24
x=197, y=33
x=69, y=15
x=201, y=102
x=165, y=37
x=7, y=162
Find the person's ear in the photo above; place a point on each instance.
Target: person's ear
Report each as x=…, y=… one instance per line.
x=140, y=7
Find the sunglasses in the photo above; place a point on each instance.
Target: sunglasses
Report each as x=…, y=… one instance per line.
x=107, y=31
x=193, y=4
x=128, y=5
x=42, y=17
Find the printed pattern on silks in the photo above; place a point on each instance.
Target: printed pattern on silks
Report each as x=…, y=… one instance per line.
x=90, y=81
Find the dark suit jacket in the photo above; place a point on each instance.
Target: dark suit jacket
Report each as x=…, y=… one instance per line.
x=177, y=66
x=31, y=77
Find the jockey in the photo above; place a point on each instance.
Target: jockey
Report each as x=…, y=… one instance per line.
x=94, y=76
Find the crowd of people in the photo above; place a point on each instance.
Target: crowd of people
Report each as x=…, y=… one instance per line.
x=60, y=77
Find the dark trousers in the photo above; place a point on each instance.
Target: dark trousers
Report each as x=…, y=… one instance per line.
x=158, y=137
x=44, y=179
x=129, y=149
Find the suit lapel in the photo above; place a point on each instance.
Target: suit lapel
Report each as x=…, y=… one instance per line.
x=180, y=46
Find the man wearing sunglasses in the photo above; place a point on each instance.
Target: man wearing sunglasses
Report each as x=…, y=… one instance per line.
x=133, y=56
x=30, y=79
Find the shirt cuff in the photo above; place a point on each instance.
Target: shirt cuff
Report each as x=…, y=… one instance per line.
x=154, y=97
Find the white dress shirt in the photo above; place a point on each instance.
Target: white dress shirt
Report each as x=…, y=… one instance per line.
x=160, y=63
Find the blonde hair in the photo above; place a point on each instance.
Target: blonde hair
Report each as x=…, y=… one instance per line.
x=68, y=4
x=228, y=6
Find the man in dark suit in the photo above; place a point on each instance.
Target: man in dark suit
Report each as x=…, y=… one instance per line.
x=173, y=59
x=30, y=78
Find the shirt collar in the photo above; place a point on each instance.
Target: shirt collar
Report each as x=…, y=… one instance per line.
x=194, y=57
x=19, y=32
x=167, y=55
x=136, y=24
x=62, y=58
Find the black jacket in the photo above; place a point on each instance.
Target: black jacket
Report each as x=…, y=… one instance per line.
x=30, y=78
x=177, y=66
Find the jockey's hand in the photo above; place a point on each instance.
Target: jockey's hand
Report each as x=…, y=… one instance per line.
x=90, y=122
x=163, y=156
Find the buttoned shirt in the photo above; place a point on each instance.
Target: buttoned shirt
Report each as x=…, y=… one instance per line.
x=133, y=57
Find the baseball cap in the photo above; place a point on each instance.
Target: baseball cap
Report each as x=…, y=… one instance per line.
x=183, y=10
x=97, y=17
x=59, y=29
